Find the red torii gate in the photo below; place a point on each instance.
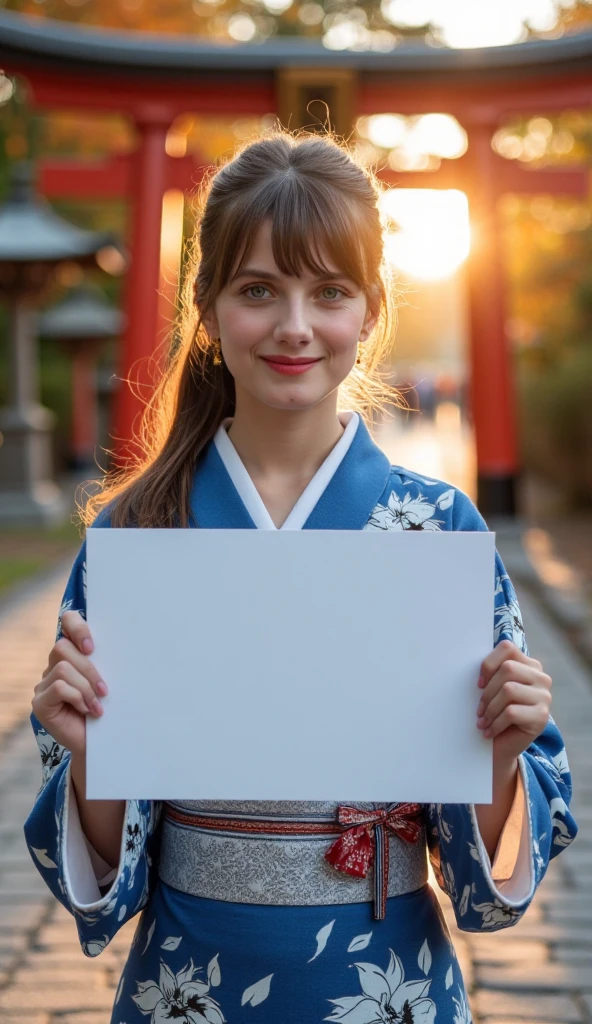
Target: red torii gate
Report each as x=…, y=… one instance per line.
x=153, y=80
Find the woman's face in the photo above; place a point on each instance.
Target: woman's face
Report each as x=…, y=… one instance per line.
x=288, y=341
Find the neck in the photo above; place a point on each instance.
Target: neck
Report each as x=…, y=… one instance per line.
x=273, y=442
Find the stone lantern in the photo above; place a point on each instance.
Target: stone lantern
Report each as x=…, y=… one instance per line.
x=82, y=322
x=34, y=241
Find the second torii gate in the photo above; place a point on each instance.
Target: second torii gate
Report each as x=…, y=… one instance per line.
x=154, y=81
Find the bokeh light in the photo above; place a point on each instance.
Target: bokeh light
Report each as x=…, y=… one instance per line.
x=277, y=6
x=439, y=134
x=6, y=88
x=346, y=33
x=384, y=130
x=408, y=13
x=413, y=143
x=311, y=14
x=348, y=30
x=241, y=28
x=537, y=140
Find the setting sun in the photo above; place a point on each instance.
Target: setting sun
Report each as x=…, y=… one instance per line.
x=429, y=234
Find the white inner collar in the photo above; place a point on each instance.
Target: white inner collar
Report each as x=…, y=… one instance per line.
x=249, y=494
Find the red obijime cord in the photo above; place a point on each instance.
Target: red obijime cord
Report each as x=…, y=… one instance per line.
x=365, y=842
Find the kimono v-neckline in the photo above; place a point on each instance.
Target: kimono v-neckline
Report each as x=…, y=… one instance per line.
x=249, y=494
x=341, y=495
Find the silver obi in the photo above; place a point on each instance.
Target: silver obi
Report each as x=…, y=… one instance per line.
x=274, y=870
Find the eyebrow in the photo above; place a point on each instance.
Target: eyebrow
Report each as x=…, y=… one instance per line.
x=267, y=276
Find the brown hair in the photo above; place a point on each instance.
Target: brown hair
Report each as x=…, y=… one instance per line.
x=320, y=202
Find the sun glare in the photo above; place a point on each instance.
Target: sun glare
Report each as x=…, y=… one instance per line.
x=429, y=234
x=472, y=23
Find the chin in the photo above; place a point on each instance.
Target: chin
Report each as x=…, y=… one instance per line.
x=292, y=403
x=291, y=395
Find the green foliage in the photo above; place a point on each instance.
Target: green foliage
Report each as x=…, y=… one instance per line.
x=56, y=394
x=13, y=570
x=26, y=551
x=556, y=423
x=555, y=375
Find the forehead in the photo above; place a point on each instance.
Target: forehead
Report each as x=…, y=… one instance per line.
x=259, y=253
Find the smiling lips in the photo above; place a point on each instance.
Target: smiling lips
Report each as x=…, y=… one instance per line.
x=283, y=364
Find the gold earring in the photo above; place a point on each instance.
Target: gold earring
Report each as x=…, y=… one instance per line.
x=359, y=356
x=217, y=352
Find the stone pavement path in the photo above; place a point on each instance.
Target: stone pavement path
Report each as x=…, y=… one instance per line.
x=539, y=971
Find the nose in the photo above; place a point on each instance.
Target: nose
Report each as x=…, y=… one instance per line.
x=294, y=327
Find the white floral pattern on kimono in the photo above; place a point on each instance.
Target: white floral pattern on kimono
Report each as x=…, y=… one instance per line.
x=508, y=620
x=462, y=1013
x=182, y=997
x=387, y=997
x=52, y=754
x=409, y=513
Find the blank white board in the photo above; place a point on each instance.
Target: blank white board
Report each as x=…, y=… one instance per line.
x=290, y=665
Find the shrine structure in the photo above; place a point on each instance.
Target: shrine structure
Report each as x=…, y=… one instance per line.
x=153, y=79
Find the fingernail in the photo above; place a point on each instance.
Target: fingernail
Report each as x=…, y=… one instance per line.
x=481, y=682
x=87, y=645
x=480, y=708
x=96, y=707
x=487, y=733
x=102, y=688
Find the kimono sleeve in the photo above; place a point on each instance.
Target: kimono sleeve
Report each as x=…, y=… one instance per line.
x=100, y=899
x=488, y=897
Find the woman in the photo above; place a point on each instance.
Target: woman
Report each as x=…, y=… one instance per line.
x=257, y=911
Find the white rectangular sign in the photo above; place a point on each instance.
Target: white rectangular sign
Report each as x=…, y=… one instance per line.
x=290, y=665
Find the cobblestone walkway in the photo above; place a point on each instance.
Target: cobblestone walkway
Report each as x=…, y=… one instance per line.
x=539, y=971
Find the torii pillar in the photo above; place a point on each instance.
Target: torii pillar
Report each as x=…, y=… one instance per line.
x=149, y=183
x=492, y=393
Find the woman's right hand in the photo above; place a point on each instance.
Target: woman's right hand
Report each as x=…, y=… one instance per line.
x=71, y=686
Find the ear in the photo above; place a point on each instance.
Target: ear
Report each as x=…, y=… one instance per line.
x=210, y=322
x=368, y=325
x=373, y=307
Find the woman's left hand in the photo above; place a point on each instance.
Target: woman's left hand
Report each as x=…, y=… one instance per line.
x=515, y=701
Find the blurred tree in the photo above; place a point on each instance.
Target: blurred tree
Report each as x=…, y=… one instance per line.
x=374, y=24
x=549, y=247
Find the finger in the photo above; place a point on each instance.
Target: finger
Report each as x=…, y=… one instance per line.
x=76, y=629
x=46, y=704
x=509, y=671
x=65, y=650
x=531, y=720
x=65, y=672
x=512, y=692
x=504, y=651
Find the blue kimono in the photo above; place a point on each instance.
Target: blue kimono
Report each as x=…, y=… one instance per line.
x=243, y=928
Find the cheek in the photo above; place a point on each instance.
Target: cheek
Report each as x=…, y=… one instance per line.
x=341, y=331
x=241, y=332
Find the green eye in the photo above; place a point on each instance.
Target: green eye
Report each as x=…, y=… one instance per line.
x=257, y=291
x=335, y=292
